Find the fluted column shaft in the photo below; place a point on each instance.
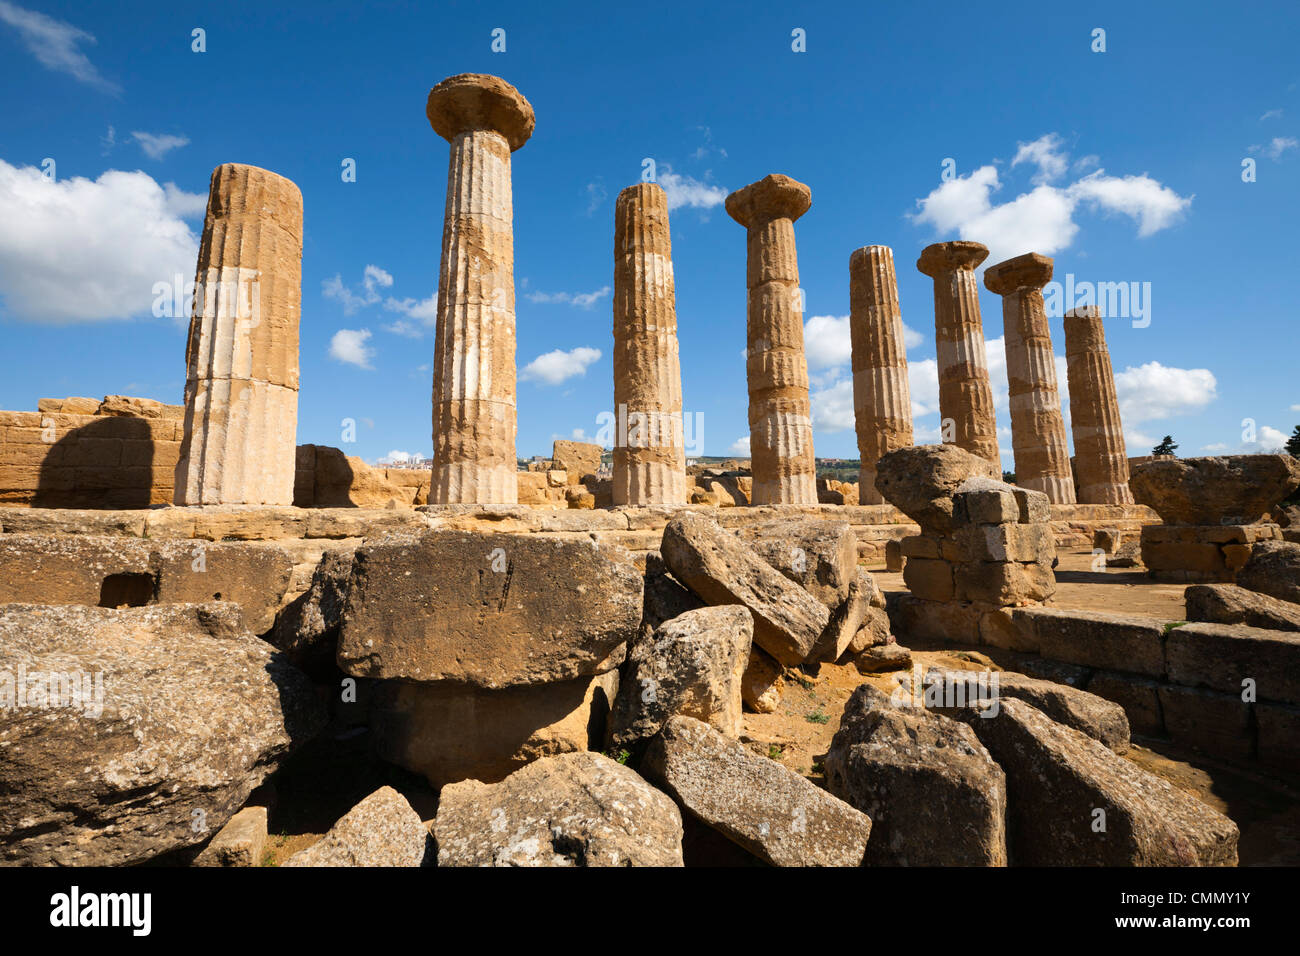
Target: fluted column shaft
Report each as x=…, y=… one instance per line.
x=474, y=406
x=649, y=455
x=1037, y=427
x=241, y=355
x=1101, y=459
x=965, y=396
x=882, y=405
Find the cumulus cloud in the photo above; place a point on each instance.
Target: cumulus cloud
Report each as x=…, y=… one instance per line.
x=1045, y=153
x=828, y=342
x=349, y=346
x=1154, y=391
x=583, y=300
x=832, y=408
x=1044, y=219
x=689, y=192
x=555, y=367
x=372, y=280
x=81, y=250
x=158, y=145
x=1271, y=114
x=740, y=447
x=55, y=44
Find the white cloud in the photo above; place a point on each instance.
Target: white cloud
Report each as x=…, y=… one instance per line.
x=552, y=368
x=596, y=196
x=911, y=337
x=1268, y=440
x=373, y=278
x=1271, y=114
x=422, y=311
x=81, y=250
x=826, y=341
x=1045, y=153
x=687, y=191
x=1043, y=219
x=1295, y=408
x=1276, y=147
x=158, y=145
x=832, y=408
x=1154, y=391
x=349, y=346
x=55, y=44
x=740, y=447
x=583, y=300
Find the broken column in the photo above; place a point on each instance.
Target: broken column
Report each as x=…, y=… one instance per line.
x=1100, y=456
x=484, y=119
x=965, y=397
x=649, y=455
x=241, y=357
x=882, y=404
x=1037, y=428
x=780, y=415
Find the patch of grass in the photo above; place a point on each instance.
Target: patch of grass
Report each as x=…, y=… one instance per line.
x=268, y=859
x=619, y=756
x=817, y=717
x=1170, y=625
x=775, y=751
x=818, y=769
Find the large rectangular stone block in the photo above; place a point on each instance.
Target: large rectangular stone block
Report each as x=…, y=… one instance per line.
x=491, y=610
x=1094, y=639
x=1224, y=657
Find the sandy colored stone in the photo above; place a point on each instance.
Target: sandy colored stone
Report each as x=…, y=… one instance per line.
x=241, y=388
x=1235, y=489
x=1273, y=568
x=1057, y=778
x=1100, y=458
x=722, y=569
x=882, y=405
x=692, y=665
x=474, y=405
x=493, y=610
x=649, y=451
x=580, y=809
x=1037, y=427
x=772, y=812
x=934, y=795
x=192, y=713
x=381, y=830
x=762, y=683
x=780, y=414
x=1230, y=604
x=920, y=481
x=241, y=842
x=965, y=396
x=821, y=556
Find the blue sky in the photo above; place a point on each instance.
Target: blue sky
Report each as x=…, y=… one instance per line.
x=1125, y=165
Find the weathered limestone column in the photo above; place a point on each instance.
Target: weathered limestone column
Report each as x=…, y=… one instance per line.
x=241, y=357
x=1100, y=456
x=780, y=416
x=475, y=416
x=882, y=403
x=1037, y=428
x=649, y=453
x=965, y=397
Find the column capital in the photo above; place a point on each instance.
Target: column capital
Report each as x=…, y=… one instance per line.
x=772, y=197
x=1030, y=271
x=859, y=258
x=475, y=101
x=960, y=254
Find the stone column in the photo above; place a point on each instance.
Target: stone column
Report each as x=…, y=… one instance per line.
x=882, y=404
x=965, y=398
x=475, y=415
x=1100, y=456
x=780, y=416
x=1037, y=428
x=649, y=455
x=241, y=357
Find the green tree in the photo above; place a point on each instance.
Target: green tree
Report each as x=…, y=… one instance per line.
x=1167, y=446
x=1293, y=443
x=1009, y=477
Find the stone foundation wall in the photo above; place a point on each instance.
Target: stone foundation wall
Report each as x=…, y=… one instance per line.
x=120, y=452
x=1179, y=681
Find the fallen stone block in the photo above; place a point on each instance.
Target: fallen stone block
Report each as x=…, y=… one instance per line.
x=920, y=481
x=139, y=731
x=934, y=795
x=1224, y=657
x=1234, y=489
x=722, y=569
x=821, y=556
x=241, y=842
x=755, y=802
x=1073, y=802
x=1231, y=604
x=493, y=610
x=381, y=830
x=761, y=685
x=883, y=658
x=1273, y=568
x=580, y=809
